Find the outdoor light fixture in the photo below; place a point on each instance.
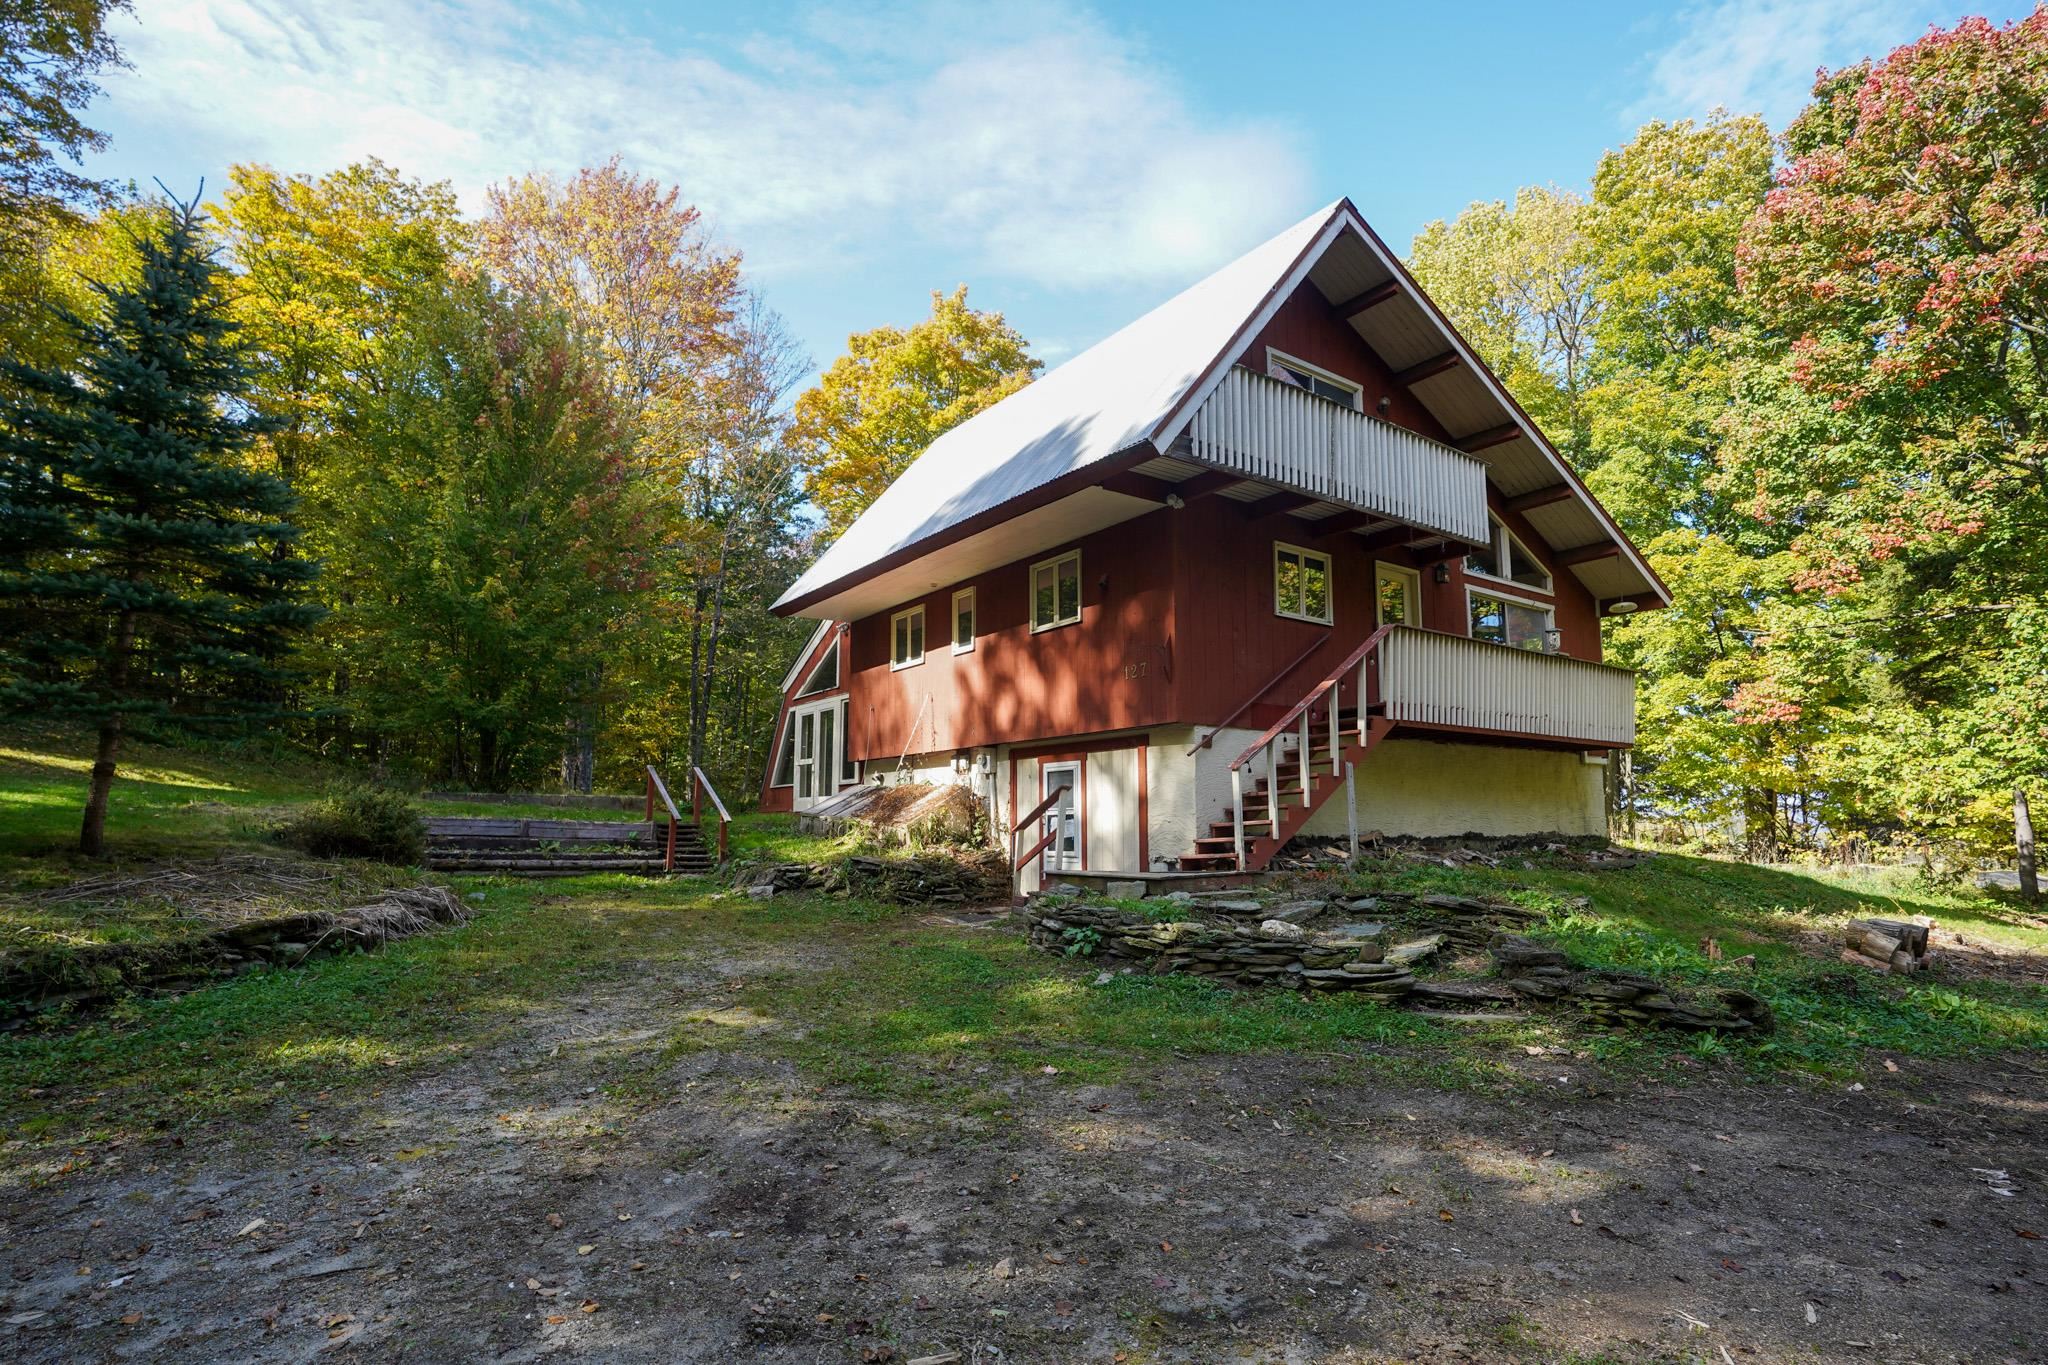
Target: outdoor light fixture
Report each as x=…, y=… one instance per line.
x=1625, y=607
x=961, y=762
x=1175, y=501
x=1386, y=401
x=1442, y=573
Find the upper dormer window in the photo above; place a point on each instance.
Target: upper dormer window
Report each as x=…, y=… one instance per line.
x=1319, y=382
x=1508, y=559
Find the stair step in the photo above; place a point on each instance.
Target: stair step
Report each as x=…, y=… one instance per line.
x=1224, y=861
x=464, y=862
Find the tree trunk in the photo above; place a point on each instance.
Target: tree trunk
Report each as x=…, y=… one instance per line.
x=2023, y=837
x=92, y=836
x=1760, y=825
x=701, y=723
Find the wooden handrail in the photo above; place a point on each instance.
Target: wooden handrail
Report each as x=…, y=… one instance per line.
x=1253, y=699
x=1036, y=811
x=1334, y=678
x=700, y=788
x=1017, y=864
x=675, y=817
x=1036, y=849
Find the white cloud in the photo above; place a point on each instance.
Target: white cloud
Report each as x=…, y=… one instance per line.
x=1760, y=56
x=1040, y=144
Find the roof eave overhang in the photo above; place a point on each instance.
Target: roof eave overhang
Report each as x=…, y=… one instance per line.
x=1499, y=392
x=1073, y=481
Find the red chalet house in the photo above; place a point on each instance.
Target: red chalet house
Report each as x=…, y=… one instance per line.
x=1281, y=557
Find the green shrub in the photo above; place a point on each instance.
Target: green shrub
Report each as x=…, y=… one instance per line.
x=361, y=822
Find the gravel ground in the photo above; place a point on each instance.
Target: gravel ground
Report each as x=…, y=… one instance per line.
x=504, y=1208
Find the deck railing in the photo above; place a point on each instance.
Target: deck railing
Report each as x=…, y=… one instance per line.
x=1429, y=678
x=1278, y=434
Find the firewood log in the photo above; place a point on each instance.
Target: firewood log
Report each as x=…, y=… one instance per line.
x=1866, y=938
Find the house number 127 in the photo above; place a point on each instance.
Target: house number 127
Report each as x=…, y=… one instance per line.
x=1137, y=670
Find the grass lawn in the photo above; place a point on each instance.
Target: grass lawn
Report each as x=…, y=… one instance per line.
x=883, y=1001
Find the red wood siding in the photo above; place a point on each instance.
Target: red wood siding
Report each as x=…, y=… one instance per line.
x=1110, y=671
x=1177, y=610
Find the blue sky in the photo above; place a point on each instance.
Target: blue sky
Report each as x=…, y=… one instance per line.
x=1072, y=164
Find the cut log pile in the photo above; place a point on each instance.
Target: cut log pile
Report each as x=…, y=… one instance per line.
x=1894, y=945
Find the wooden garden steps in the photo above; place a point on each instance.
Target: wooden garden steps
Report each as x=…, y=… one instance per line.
x=560, y=848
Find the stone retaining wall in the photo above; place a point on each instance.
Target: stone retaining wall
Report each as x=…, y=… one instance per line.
x=1276, y=951
x=1273, y=952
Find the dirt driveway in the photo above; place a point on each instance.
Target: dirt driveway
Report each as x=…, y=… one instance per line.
x=515, y=1204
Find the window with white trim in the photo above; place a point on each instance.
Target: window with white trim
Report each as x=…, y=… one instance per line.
x=1301, y=583
x=963, y=620
x=1397, y=594
x=1316, y=380
x=906, y=638
x=1056, y=591
x=1507, y=559
x=1507, y=621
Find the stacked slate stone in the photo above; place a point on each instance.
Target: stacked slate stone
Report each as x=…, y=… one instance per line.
x=1275, y=951
x=1463, y=921
x=1621, y=998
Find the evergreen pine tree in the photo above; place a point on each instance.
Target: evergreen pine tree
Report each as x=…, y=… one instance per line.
x=146, y=572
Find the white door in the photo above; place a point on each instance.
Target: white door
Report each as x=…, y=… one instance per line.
x=817, y=753
x=1062, y=821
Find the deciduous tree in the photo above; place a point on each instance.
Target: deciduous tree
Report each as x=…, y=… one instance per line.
x=894, y=392
x=492, y=530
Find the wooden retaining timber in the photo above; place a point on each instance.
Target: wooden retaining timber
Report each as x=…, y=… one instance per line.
x=560, y=848
x=510, y=846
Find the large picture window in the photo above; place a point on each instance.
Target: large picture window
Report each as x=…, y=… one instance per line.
x=1507, y=559
x=1301, y=583
x=906, y=636
x=1056, y=591
x=1505, y=621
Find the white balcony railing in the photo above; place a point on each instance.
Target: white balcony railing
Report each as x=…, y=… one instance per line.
x=1433, y=679
x=1279, y=434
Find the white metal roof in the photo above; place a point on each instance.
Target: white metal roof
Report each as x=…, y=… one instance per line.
x=1103, y=401
x=938, y=521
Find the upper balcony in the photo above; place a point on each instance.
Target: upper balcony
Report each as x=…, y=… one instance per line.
x=1277, y=434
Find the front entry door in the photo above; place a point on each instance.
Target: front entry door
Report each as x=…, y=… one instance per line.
x=1063, y=820
x=817, y=753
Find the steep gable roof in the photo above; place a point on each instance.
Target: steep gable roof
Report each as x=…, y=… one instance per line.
x=1129, y=396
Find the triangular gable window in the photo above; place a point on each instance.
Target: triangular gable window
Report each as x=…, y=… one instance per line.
x=825, y=676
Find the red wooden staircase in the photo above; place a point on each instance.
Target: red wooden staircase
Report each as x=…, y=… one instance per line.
x=1286, y=775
